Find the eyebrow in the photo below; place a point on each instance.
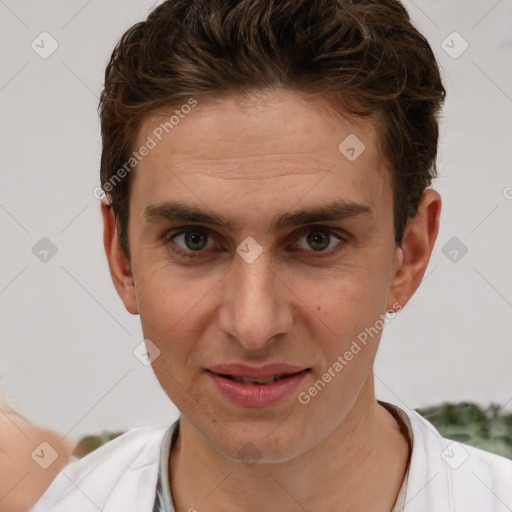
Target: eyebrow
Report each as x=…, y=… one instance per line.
x=335, y=210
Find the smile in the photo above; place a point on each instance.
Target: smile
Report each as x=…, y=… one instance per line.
x=256, y=392
x=244, y=380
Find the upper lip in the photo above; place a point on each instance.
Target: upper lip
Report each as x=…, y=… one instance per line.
x=256, y=372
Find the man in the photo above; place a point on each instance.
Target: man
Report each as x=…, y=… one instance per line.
x=30, y=458
x=267, y=167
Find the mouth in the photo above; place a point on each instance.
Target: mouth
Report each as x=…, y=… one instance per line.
x=260, y=382
x=256, y=375
x=251, y=387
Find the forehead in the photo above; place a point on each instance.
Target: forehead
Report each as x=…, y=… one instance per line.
x=273, y=139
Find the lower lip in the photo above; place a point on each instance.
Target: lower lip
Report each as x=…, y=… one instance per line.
x=257, y=395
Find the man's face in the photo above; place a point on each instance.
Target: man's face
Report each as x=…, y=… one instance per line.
x=302, y=301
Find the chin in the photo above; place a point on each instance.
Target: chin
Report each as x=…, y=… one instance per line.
x=260, y=445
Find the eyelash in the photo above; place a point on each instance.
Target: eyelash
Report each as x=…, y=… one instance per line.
x=331, y=232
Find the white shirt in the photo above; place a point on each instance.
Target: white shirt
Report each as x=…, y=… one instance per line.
x=163, y=499
x=443, y=476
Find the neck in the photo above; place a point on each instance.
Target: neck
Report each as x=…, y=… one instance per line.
x=360, y=466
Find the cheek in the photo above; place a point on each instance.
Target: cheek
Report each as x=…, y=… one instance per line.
x=162, y=303
x=163, y=293
x=169, y=313
x=347, y=304
x=346, y=321
x=174, y=310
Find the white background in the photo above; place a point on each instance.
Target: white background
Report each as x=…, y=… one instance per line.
x=66, y=341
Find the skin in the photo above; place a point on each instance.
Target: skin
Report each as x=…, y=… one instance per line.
x=253, y=159
x=22, y=480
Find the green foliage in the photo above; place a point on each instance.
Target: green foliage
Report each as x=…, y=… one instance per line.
x=467, y=423
x=88, y=444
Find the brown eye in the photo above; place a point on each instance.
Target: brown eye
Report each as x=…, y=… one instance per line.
x=318, y=240
x=195, y=240
x=189, y=243
x=321, y=240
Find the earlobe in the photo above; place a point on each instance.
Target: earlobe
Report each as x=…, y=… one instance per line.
x=414, y=253
x=118, y=263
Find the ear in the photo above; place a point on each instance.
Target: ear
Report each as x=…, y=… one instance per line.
x=118, y=263
x=413, y=255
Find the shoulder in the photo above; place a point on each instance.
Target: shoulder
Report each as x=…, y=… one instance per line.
x=454, y=475
x=24, y=474
x=116, y=477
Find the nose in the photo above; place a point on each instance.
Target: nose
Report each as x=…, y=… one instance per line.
x=256, y=304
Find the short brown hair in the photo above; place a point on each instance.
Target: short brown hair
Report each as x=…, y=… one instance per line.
x=365, y=56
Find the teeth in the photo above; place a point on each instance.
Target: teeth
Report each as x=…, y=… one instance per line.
x=243, y=380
